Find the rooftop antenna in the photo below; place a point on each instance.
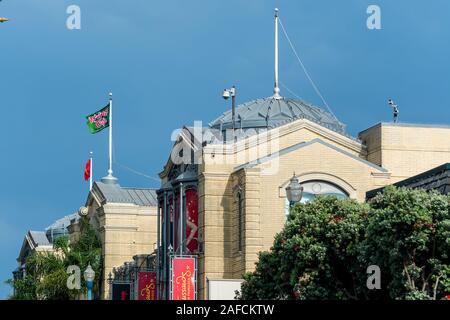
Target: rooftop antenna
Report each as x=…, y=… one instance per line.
x=395, y=110
x=276, y=89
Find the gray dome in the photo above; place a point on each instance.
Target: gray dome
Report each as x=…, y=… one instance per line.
x=271, y=112
x=59, y=227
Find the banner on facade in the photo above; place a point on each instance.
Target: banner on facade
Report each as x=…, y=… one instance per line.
x=121, y=291
x=183, y=278
x=147, y=286
x=191, y=221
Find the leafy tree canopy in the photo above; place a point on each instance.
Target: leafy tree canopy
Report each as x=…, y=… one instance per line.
x=46, y=272
x=326, y=246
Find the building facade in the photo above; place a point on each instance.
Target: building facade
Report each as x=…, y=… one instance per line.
x=41, y=242
x=238, y=184
x=223, y=189
x=126, y=222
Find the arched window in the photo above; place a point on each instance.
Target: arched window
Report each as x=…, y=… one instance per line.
x=314, y=188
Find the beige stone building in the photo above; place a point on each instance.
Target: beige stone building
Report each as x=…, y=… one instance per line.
x=406, y=149
x=41, y=242
x=126, y=222
x=223, y=189
x=240, y=184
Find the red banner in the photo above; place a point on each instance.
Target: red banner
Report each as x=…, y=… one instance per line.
x=183, y=278
x=147, y=286
x=191, y=220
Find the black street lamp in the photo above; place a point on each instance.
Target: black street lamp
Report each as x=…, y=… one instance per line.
x=227, y=93
x=294, y=191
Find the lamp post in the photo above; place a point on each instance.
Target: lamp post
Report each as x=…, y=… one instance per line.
x=294, y=191
x=110, y=282
x=89, y=275
x=227, y=93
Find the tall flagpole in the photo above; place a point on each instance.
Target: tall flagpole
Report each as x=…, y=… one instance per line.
x=110, y=178
x=90, y=170
x=110, y=172
x=276, y=89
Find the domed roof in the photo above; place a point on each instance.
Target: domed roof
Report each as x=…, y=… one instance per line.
x=272, y=112
x=59, y=227
x=62, y=223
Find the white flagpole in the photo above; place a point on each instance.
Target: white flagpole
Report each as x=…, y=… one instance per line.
x=276, y=89
x=90, y=170
x=110, y=178
x=110, y=172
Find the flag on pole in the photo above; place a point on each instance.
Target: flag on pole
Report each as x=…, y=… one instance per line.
x=87, y=170
x=99, y=120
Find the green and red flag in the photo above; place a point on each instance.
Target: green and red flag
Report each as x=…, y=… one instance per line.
x=99, y=120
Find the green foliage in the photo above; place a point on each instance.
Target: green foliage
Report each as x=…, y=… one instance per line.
x=327, y=244
x=314, y=257
x=87, y=250
x=46, y=272
x=408, y=237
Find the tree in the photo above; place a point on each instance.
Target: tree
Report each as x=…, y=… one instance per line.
x=46, y=272
x=408, y=237
x=315, y=256
x=45, y=277
x=87, y=250
x=327, y=245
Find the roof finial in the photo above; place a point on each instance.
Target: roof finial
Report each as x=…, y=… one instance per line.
x=276, y=89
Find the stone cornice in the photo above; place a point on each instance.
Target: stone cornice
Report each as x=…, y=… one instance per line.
x=124, y=227
x=204, y=175
x=269, y=135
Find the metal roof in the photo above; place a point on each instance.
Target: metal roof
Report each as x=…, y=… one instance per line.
x=114, y=193
x=435, y=179
x=62, y=223
x=39, y=238
x=271, y=112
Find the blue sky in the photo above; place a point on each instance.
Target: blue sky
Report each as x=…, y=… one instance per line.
x=166, y=63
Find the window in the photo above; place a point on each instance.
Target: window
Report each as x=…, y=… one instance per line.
x=312, y=189
x=241, y=222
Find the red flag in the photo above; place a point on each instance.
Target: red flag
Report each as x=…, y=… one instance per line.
x=87, y=170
